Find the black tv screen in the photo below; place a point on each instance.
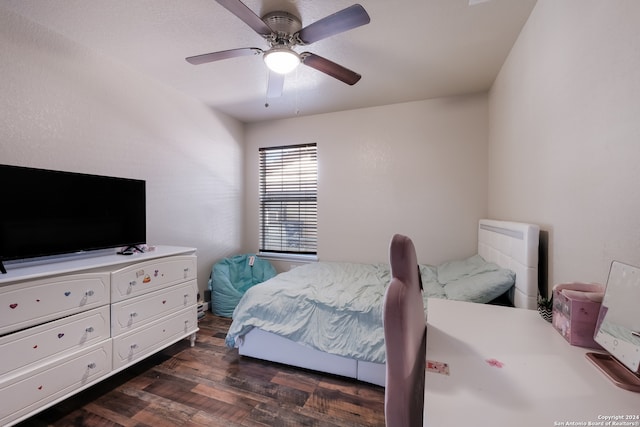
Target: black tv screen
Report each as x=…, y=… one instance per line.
x=46, y=212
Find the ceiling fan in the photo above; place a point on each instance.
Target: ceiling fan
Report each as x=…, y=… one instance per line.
x=283, y=31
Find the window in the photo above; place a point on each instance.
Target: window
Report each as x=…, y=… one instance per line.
x=288, y=199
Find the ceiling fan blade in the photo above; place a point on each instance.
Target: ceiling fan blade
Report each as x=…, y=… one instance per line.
x=330, y=68
x=247, y=16
x=344, y=20
x=275, y=85
x=223, y=54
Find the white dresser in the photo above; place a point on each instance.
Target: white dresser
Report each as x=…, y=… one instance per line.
x=66, y=325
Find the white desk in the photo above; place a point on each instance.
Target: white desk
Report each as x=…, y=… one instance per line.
x=543, y=381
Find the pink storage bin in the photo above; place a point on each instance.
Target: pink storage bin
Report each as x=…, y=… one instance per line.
x=575, y=311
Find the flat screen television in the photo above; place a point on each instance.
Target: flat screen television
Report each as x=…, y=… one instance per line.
x=48, y=213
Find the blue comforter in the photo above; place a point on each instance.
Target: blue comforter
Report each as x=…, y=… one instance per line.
x=337, y=307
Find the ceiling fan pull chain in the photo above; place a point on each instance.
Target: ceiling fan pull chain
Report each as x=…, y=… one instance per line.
x=297, y=96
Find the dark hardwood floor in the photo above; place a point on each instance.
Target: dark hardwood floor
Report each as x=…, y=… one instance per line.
x=211, y=385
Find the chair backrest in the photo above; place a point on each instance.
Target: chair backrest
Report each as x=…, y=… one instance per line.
x=405, y=337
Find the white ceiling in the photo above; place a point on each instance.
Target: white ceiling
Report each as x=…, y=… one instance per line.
x=411, y=50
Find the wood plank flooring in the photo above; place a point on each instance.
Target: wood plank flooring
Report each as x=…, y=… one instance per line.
x=211, y=385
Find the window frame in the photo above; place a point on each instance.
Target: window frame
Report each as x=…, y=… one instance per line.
x=288, y=201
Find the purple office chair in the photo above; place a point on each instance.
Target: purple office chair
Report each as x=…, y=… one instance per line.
x=405, y=338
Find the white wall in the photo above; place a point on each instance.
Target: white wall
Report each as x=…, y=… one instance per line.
x=65, y=107
x=416, y=168
x=564, y=144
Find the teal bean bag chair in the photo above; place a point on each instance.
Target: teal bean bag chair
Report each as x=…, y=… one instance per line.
x=232, y=277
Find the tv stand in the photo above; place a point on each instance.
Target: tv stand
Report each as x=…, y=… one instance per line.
x=67, y=325
x=3, y=270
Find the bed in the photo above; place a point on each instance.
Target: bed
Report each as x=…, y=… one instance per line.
x=340, y=331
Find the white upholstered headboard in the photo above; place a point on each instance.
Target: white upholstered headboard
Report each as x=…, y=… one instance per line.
x=513, y=245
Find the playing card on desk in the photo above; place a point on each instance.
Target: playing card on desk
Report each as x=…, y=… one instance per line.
x=438, y=367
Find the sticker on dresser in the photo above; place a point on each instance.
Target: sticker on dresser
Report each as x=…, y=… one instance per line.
x=34, y=389
x=28, y=348
x=148, y=276
x=34, y=302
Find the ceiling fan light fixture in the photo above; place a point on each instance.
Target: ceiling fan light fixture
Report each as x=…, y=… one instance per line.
x=281, y=60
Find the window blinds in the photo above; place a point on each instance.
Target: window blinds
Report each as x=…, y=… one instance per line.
x=288, y=199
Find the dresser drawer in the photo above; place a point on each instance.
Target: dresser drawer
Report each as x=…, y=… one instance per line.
x=149, y=276
x=135, y=345
x=34, y=302
x=31, y=346
x=26, y=393
x=135, y=312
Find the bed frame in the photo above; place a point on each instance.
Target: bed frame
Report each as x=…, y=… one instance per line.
x=511, y=245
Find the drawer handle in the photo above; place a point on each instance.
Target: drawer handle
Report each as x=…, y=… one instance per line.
x=91, y=365
x=134, y=346
x=134, y=314
x=132, y=283
x=89, y=293
x=89, y=329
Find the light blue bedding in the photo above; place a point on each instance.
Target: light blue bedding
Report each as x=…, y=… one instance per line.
x=337, y=307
